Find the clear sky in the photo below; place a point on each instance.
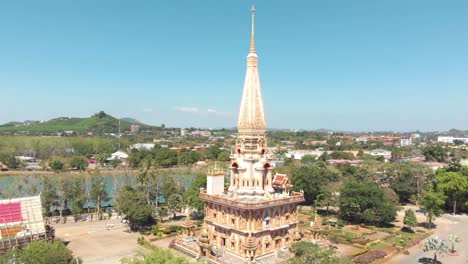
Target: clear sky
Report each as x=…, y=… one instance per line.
x=345, y=65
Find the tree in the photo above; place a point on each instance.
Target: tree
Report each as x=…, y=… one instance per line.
x=98, y=193
x=77, y=195
x=132, y=203
x=79, y=163
x=308, y=252
x=453, y=239
x=308, y=159
x=438, y=246
x=56, y=165
x=311, y=179
x=49, y=194
x=366, y=201
x=224, y=156
x=174, y=203
x=10, y=161
x=41, y=252
x=454, y=165
x=157, y=256
x=342, y=155
x=324, y=157
x=115, y=163
x=410, y=219
x=189, y=157
x=170, y=186
x=432, y=203
x=100, y=114
x=452, y=184
x=191, y=196
x=435, y=153
x=164, y=157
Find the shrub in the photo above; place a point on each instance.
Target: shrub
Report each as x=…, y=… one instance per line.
x=141, y=240
x=370, y=256
x=155, y=230
x=334, y=239
x=165, y=230
x=175, y=228
x=359, y=252
x=195, y=215
x=340, y=223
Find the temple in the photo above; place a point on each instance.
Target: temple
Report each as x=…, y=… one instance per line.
x=257, y=214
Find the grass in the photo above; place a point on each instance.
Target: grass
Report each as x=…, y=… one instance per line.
x=380, y=246
x=105, y=124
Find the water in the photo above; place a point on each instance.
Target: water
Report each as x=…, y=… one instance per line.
x=29, y=185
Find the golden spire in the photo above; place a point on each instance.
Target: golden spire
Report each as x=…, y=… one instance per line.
x=252, y=114
x=252, y=41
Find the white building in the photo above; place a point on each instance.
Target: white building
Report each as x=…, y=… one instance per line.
x=140, y=146
x=380, y=152
x=118, y=155
x=299, y=154
x=450, y=139
x=406, y=141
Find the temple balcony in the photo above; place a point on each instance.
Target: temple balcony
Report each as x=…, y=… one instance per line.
x=227, y=200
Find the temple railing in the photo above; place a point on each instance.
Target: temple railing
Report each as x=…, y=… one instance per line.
x=295, y=197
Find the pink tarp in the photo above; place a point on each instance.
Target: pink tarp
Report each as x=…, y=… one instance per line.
x=10, y=213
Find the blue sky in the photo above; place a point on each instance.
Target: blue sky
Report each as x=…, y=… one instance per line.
x=345, y=65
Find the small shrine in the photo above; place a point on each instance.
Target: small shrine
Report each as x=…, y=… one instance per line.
x=188, y=226
x=316, y=227
x=250, y=247
x=204, y=243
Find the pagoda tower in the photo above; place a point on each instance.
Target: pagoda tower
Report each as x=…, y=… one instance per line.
x=257, y=214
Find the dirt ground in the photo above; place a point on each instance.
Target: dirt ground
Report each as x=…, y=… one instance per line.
x=97, y=243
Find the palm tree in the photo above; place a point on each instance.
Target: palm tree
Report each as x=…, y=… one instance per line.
x=437, y=245
x=454, y=239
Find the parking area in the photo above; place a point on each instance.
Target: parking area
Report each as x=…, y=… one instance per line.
x=99, y=241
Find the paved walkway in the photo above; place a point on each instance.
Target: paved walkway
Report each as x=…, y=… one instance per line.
x=447, y=225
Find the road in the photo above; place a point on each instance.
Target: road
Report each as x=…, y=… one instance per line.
x=447, y=225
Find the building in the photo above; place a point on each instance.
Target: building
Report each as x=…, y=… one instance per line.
x=451, y=140
x=300, y=153
x=141, y=146
x=380, y=152
x=134, y=128
x=21, y=222
x=406, y=141
x=256, y=217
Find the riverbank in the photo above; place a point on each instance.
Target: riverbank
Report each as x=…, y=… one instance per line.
x=110, y=172
x=91, y=172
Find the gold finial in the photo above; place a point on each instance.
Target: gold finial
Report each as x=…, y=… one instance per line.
x=252, y=41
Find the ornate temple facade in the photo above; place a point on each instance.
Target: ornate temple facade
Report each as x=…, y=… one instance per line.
x=257, y=213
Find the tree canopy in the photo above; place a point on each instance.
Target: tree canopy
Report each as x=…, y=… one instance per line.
x=157, y=256
x=133, y=204
x=366, y=202
x=308, y=252
x=40, y=252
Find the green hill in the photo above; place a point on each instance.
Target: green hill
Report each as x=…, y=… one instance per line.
x=98, y=123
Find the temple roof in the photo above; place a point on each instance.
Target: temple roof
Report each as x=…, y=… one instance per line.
x=281, y=181
x=252, y=113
